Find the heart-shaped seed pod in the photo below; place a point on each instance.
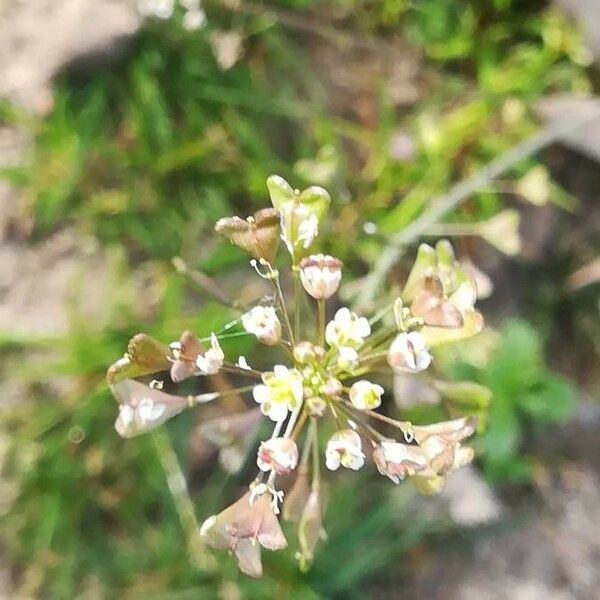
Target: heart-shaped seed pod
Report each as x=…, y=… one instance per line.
x=257, y=235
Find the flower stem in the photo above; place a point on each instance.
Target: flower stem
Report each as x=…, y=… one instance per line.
x=321, y=304
x=296, y=277
x=199, y=554
x=370, y=431
x=204, y=282
x=453, y=229
x=299, y=425
x=231, y=368
x=316, y=467
x=402, y=425
x=292, y=421
x=286, y=316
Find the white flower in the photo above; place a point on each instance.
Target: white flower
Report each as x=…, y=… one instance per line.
x=347, y=329
x=281, y=391
x=347, y=358
x=194, y=19
x=344, y=448
x=262, y=321
x=212, y=360
x=133, y=420
x=277, y=454
x=143, y=408
x=321, y=275
x=408, y=353
x=366, y=395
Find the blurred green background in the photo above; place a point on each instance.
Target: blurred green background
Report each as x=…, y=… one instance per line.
x=386, y=103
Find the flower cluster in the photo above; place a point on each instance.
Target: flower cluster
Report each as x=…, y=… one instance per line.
x=322, y=398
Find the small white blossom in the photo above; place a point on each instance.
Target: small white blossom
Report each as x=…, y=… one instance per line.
x=408, y=353
x=344, y=448
x=277, y=454
x=281, y=391
x=133, y=420
x=212, y=360
x=347, y=329
x=262, y=321
x=321, y=275
x=366, y=395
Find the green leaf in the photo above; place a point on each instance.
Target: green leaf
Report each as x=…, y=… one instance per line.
x=518, y=363
x=465, y=393
x=553, y=399
x=502, y=439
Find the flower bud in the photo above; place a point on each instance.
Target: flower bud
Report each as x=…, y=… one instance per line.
x=347, y=358
x=332, y=387
x=366, y=395
x=304, y=352
x=408, y=353
x=262, y=321
x=321, y=275
x=316, y=406
x=344, y=448
x=277, y=454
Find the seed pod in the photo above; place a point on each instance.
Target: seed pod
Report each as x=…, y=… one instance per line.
x=257, y=235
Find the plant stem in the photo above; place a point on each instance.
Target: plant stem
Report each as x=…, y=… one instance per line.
x=199, y=553
x=321, y=304
x=402, y=425
x=284, y=310
x=316, y=467
x=296, y=276
x=453, y=229
x=370, y=431
x=230, y=368
x=204, y=282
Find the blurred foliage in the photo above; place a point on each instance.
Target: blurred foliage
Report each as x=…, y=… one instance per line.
x=146, y=155
x=525, y=394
